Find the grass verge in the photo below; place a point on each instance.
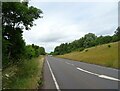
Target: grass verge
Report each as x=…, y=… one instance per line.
x=25, y=75
x=105, y=55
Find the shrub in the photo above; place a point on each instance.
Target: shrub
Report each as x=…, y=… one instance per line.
x=86, y=50
x=80, y=49
x=109, y=46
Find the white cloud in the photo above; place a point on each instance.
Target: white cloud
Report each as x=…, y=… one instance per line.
x=65, y=22
x=75, y=0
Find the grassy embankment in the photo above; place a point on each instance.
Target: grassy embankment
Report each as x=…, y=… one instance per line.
x=25, y=75
x=101, y=55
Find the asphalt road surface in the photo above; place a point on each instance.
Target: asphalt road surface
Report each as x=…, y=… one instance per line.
x=67, y=74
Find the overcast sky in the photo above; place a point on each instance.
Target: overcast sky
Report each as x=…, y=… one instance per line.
x=66, y=21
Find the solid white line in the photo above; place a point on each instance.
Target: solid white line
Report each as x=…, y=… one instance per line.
x=101, y=76
x=54, y=79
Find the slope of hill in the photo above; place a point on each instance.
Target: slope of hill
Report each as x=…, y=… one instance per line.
x=105, y=55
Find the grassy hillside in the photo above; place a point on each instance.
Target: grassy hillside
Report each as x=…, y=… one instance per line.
x=102, y=55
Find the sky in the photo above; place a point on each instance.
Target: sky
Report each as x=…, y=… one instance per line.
x=68, y=21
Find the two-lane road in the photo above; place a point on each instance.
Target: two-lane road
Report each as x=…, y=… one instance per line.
x=67, y=74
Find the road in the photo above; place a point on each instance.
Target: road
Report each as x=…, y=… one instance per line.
x=67, y=74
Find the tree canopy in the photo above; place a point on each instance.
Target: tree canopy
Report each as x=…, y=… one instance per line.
x=87, y=41
x=17, y=16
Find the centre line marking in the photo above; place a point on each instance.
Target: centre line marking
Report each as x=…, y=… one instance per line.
x=70, y=64
x=55, y=81
x=101, y=76
x=67, y=63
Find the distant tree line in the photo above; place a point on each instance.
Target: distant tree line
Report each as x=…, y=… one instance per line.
x=17, y=16
x=34, y=51
x=89, y=40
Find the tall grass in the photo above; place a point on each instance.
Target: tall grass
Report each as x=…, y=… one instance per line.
x=101, y=55
x=25, y=75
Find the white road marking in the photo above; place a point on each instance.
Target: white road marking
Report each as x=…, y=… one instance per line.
x=108, y=77
x=67, y=63
x=55, y=81
x=70, y=64
x=87, y=71
x=101, y=76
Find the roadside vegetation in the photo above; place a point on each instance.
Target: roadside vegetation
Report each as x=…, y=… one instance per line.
x=21, y=63
x=102, y=50
x=105, y=55
x=24, y=75
x=89, y=40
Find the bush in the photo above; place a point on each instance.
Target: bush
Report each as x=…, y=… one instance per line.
x=109, y=46
x=86, y=50
x=80, y=49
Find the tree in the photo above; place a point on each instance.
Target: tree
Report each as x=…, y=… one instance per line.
x=114, y=38
x=42, y=51
x=16, y=16
x=57, y=50
x=89, y=40
x=30, y=52
x=37, y=51
x=34, y=51
x=99, y=40
x=117, y=33
x=107, y=39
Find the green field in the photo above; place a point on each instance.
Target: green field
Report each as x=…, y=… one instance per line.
x=25, y=75
x=101, y=55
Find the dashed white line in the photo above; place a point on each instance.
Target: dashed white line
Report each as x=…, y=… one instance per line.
x=67, y=63
x=70, y=64
x=108, y=77
x=101, y=76
x=55, y=81
x=87, y=71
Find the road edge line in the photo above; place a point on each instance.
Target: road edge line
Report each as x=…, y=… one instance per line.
x=54, y=79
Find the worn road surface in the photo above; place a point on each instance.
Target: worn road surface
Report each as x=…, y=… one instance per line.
x=67, y=74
